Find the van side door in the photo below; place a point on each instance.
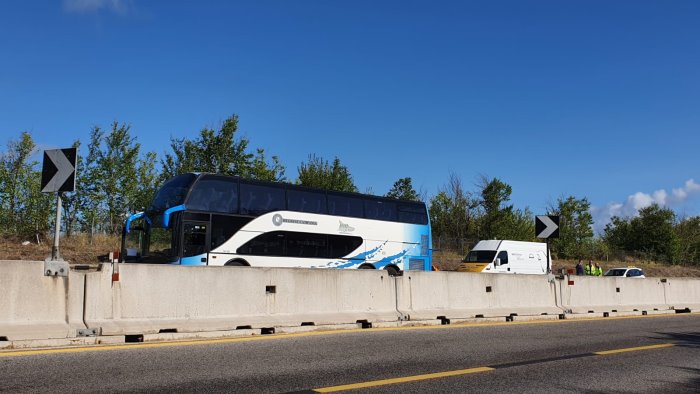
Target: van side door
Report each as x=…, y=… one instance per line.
x=504, y=267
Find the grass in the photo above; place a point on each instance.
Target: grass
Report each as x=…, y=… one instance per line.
x=77, y=249
x=80, y=249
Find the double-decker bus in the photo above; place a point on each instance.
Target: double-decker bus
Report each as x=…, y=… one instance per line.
x=208, y=219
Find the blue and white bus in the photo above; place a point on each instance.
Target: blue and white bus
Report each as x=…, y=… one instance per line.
x=208, y=219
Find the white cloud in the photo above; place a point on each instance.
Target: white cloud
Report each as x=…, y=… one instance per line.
x=87, y=6
x=640, y=200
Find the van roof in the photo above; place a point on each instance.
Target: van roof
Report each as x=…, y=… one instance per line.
x=494, y=244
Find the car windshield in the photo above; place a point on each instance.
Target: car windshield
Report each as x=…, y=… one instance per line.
x=616, y=272
x=480, y=256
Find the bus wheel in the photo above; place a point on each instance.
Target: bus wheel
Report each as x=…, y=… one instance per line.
x=237, y=263
x=392, y=270
x=366, y=267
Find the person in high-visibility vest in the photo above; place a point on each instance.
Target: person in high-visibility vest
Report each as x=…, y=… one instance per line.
x=589, y=268
x=597, y=270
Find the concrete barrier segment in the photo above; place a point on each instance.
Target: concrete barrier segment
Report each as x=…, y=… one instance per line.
x=682, y=293
x=34, y=306
x=151, y=299
x=458, y=295
x=590, y=294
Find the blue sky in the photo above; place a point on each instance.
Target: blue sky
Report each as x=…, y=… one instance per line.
x=596, y=99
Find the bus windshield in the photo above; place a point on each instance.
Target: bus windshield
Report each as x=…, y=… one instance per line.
x=160, y=246
x=172, y=193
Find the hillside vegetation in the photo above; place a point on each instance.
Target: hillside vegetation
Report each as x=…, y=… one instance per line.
x=116, y=177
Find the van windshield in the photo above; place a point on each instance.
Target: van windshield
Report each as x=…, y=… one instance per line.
x=480, y=256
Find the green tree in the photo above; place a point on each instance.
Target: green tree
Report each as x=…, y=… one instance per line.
x=90, y=194
x=654, y=235
x=263, y=170
x=497, y=216
x=114, y=181
x=218, y=151
x=403, y=190
x=575, y=228
x=452, y=211
x=117, y=162
x=517, y=225
x=322, y=174
x=688, y=233
x=148, y=177
x=649, y=235
x=70, y=201
x=24, y=210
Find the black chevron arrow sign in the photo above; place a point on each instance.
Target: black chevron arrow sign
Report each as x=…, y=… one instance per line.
x=58, y=171
x=547, y=226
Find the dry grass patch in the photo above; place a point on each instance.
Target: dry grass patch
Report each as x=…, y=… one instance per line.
x=77, y=249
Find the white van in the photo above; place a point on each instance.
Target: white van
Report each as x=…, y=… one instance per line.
x=507, y=257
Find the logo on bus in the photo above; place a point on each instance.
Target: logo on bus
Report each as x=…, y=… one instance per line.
x=345, y=228
x=277, y=220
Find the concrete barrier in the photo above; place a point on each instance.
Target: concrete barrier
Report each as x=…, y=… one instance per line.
x=587, y=294
x=154, y=298
x=457, y=295
x=34, y=306
x=683, y=293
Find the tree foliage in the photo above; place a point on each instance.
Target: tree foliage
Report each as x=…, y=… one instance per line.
x=651, y=234
x=497, y=216
x=575, y=228
x=403, y=190
x=218, y=151
x=452, y=211
x=321, y=173
x=24, y=210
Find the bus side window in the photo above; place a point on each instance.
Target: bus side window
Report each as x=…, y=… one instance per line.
x=223, y=227
x=340, y=205
x=306, y=201
x=380, y=210
x=259, y=199
x=266, y=244
x=503, y=255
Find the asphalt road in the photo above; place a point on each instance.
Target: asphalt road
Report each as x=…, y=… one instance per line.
x=662, y=355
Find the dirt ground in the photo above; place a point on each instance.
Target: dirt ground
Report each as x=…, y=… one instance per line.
x=80, y=249
x=446, y=261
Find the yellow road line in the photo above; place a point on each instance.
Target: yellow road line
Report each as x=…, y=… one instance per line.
x=406, y=379
x=459, y=372
x=96, y=348
x=634, y=349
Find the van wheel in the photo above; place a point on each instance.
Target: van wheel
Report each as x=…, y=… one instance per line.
x=237, y=263
x=366, y=267
x=392, y=270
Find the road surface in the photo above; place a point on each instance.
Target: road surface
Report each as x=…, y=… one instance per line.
x=642, y=354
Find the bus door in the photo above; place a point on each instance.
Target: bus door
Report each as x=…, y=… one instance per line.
x=195, y=241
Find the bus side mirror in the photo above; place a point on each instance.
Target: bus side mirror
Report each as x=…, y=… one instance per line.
x=497, y=263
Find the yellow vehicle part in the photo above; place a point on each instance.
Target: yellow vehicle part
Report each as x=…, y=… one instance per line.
x=472, y=267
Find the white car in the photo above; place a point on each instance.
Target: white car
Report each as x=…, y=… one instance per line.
x=629, y=272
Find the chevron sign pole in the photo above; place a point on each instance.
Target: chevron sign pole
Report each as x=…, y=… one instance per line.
x=57, y=176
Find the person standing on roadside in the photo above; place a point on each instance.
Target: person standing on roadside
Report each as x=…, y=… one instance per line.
x=589, y=268
x=597, y=270
x=579, y=268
